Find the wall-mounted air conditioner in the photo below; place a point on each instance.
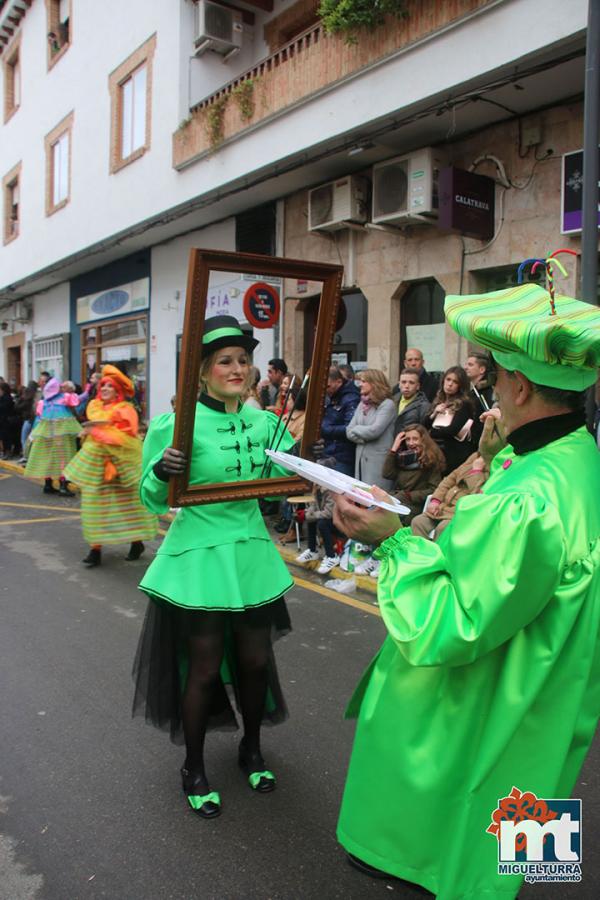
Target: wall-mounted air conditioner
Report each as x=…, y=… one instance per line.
x=217, y=28
x=406, y=188
x=331, y=206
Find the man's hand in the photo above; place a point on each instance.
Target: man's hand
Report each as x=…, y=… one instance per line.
x=493, y=437
x=371, y=526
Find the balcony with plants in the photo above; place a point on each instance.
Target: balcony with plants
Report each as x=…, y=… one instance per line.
x=346, y=38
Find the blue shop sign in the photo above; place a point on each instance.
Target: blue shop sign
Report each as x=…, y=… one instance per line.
x=109, y=302
x=124, y=298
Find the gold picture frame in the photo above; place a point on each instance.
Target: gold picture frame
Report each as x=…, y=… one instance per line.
x=201, y=264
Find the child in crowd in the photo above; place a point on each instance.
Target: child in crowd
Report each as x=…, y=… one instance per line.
x=319, y=518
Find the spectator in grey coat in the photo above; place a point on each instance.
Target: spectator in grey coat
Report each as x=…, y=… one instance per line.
x=372, y=427
x=413, y=405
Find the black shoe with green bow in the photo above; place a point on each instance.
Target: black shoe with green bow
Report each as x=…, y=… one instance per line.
x=201, y=800
x=260, y=778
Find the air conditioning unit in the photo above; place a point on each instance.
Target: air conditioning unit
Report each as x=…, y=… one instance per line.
x=333, y=205
x=405, y=189
x=217, y=28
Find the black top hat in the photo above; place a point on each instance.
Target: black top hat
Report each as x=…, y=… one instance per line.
x=225, y=331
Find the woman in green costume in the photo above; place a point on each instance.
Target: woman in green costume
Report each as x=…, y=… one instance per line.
x=490, y=676
x=216, y=585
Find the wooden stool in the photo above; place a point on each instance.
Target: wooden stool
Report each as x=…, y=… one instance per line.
x=295, y=502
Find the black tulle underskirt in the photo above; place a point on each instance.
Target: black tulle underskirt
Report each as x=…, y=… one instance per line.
x=160, y=664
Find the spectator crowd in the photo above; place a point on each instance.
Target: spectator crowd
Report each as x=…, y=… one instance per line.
x=417, y=439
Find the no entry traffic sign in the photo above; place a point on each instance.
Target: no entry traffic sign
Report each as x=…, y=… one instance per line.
x=261, y=305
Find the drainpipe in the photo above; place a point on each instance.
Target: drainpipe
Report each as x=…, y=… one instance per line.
x=591, y=135
x=589, y=228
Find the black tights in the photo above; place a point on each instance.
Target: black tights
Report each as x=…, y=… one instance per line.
x=252, y=647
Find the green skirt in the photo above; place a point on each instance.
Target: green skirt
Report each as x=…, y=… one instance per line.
x=53, y=445
x=228, y=577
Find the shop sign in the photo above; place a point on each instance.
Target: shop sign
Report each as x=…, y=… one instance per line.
x=571, y=212
x=261, y=305
x=466, y=203
x=127, y=298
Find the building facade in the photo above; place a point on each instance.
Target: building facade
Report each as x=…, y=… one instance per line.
x=133, y=132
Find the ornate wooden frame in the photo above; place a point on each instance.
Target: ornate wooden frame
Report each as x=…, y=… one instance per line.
x=201, y=263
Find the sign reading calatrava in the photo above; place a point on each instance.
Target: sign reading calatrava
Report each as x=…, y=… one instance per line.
x=466, y=203
x=127, y=298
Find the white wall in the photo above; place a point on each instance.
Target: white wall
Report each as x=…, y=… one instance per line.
x=51, y=312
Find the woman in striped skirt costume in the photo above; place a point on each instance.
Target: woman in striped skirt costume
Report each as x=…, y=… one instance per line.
x=108, y=468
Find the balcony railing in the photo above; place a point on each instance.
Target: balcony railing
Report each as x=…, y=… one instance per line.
x=311, y=63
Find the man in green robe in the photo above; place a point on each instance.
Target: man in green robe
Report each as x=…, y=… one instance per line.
x=489, y=678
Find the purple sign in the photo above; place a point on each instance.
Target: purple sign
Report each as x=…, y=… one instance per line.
x=572, y=193
x=466, y=203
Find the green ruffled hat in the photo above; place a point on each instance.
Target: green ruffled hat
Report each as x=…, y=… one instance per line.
x=561, y=350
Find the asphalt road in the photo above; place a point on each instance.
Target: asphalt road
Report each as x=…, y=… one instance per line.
x=90, y=801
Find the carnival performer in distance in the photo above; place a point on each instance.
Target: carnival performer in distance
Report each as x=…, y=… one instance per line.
x=54, y=438
x=107, y=469
x=216, y=585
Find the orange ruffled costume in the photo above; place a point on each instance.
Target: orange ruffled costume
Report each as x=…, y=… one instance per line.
x=108, y=469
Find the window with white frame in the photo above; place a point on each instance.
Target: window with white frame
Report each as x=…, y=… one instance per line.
x=58, y=144
x=130, y=87
x=133, y=112
x=12, y=82
x=48, y=357
x=58, y=21
x=11, y=203
x=60, y=169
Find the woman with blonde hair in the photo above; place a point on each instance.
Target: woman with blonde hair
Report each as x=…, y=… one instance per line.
x=372, y=427
x=217, y=583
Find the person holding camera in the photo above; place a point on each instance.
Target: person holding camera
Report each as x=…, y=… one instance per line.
x=414, y=464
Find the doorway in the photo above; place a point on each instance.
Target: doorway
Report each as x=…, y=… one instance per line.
x=14, y=347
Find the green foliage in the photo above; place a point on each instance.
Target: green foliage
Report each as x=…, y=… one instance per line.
x=214, y=120
x=351, y=16
x=243, y=95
